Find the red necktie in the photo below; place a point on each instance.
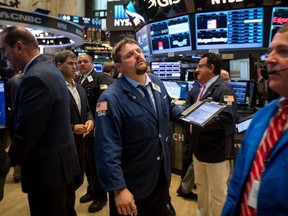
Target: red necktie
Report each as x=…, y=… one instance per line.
x=274, y=132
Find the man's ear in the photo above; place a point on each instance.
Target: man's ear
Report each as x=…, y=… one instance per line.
x=118, y=66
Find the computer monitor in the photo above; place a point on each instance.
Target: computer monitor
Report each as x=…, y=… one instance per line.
x=279, y=17
x=167, y=70
x=143, y=40
x=176, y=90
x=231, y=29
x=245, y=92
x=172, y=35
x=3, y=104
x=240, y=69
x=98, y=66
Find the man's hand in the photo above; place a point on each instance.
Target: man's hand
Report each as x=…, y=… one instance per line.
x=124, y=202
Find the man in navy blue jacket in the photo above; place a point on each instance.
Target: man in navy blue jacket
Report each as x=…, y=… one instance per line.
x=43, y=142
x=132, y=130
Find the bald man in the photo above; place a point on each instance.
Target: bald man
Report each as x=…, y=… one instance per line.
x=225, y=75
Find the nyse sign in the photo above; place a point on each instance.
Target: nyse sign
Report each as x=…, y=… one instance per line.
x=224, y=1
x=161, y=3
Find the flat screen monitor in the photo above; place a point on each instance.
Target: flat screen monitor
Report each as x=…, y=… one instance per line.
x=176, y=90
x=172, y=35
x=117, y=19
x=3, y=103
x=241, y=91
x=231, y=29
x=279, y=17
x=239, y=69
x=98, y=66
x=166, y=70
x=143, y=37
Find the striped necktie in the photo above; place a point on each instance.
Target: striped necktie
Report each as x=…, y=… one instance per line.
x=274, y=132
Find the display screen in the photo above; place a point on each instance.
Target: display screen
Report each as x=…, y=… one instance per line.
x=171, y=35
x=142, y=37
x=241, y=91
x=3, y=104
x=243, y=125
x=232, y=29
x=239, y=69
x=91, y=26
x=176, y=90
x=279, y=17
x=98, y=66
x=167, y=70
x=203, y=113
x=117, y=19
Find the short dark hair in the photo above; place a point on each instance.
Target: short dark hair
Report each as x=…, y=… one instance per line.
x=62, y=55
x=214, y=59
x=115, y=52
x=13, y=34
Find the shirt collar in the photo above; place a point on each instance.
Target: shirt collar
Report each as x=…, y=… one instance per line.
x=24, y=71
x=135, y=83
x=211, y=81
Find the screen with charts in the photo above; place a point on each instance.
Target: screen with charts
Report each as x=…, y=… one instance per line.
x=176, y=90
x=239, y=69
x=171, y=35
x=279, y=17
x=241, y=28
x=167, y=70
x=241, y=91
x=3, y=104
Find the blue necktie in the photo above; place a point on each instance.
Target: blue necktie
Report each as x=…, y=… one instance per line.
x=146, y=95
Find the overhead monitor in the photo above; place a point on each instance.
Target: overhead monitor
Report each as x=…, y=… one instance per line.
x=117, y=19
x=166, y=70
x=239, y=69
x=176, y=90
x=279, y=17
x=172, y=35
x=3, y=103
x=231, y=29
x=143, y=40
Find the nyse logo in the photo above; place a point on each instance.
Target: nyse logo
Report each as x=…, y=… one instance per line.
x=224, y=1
x=161, y=3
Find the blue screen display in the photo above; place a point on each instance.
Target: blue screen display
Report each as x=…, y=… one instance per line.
x=3, y=105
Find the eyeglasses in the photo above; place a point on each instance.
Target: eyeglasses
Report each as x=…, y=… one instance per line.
x=202, y=65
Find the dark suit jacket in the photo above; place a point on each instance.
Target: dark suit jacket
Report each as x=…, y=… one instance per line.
x=43, y=142
x=93, y=89
x=209, y=143
x=80, y=118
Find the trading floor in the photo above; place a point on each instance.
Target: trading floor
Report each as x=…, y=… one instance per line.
x=15, y=202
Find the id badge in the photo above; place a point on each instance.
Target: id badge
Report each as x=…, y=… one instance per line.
x=253, y=196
